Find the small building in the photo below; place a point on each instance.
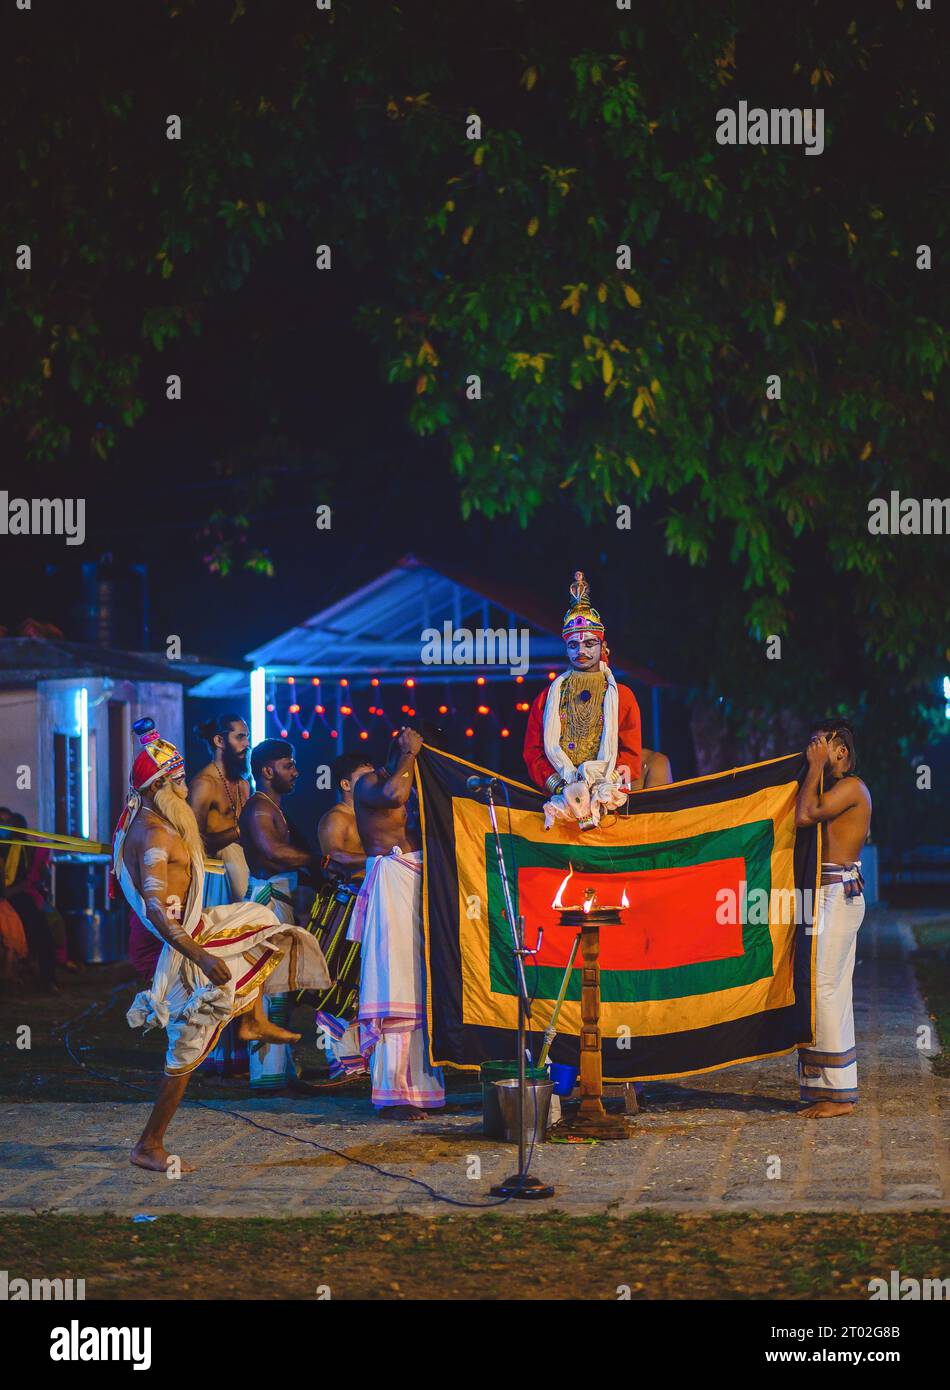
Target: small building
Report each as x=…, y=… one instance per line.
x=349, y=675
x=66, y=715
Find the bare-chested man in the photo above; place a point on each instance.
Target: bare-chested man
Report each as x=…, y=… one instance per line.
x=655, y=771
x=218, y=794
x=387, y=920
x=828, y=1073
x=276, y=855
x=339, y=838
x=216, y=964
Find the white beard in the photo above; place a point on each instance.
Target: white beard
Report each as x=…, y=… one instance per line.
x=181, y=818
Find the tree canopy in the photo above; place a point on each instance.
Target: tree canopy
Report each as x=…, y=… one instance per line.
x=611, y=377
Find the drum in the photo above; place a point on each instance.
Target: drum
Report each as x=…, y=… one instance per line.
x=329, y=919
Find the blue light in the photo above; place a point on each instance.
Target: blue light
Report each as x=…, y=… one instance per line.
x=258, y=705
x=82, y=720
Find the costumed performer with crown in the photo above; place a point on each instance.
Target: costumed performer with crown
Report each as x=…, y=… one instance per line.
x=582, y=744
x=216, y=963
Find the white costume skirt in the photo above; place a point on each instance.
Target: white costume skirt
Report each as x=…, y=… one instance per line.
x=829, y=1069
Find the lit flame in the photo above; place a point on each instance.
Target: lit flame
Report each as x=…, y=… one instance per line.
x=557, y=903
x=590, y=896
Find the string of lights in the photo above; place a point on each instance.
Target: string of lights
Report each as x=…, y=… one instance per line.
x=335, y=707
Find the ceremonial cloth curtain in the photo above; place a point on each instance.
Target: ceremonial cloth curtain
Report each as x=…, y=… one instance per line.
x=713, y=962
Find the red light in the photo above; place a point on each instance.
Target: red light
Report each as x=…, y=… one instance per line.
x=316, y=680
x=346, y=709
x=519, y=680
x=321, y=709
x=270, y=709
x=333, y=733
x=372, y=709
x=469, y=733
x=410, y=682
x=551, y=675
x=504, y=733
x=293, y=709
x=374, y=681
x=483, y=709
x=443, y=709
x=411, y=711
x=381, y=713
x=344, y=681
x=405, y=709
x=363, y=733
x=283, y=733
x=305, y=733
x=479, y=680
x=291, y=681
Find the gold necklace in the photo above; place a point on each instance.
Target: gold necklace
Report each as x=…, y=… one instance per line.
x=582, y=714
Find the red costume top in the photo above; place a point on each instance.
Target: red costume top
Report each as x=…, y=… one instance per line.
x=629, y=742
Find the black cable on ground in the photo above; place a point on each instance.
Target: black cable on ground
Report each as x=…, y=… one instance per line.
x=268, y=1129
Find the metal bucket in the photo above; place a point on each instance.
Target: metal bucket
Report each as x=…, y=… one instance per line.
x=537, y=1108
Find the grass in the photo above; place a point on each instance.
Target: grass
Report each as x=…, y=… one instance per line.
x=932, y=962
x=539, y=1255
x=658, y=1255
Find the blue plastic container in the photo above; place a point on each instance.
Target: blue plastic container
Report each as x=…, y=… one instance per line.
x=564, y=1078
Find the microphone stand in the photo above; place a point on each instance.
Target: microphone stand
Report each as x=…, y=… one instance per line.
x=520, y=1185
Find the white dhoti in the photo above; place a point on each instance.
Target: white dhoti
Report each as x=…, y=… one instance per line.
x=262, y=955
x=392, y=1017
x=829, y=1070
x=229, y=1055
x=272, y=1066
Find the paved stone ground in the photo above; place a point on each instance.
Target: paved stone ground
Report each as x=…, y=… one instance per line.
x=702, y=1146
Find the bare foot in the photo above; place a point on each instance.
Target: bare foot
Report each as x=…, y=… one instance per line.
x=251, y=1029
x=826, y=1110
x=156, y=1159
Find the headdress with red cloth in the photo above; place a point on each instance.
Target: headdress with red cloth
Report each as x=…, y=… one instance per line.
x=158, y=758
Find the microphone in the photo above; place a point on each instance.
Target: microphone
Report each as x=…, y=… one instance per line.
x=477, y=784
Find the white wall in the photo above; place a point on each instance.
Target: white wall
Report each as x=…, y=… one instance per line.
x=19, y=747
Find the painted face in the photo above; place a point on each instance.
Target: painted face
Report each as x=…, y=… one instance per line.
x=584, y=650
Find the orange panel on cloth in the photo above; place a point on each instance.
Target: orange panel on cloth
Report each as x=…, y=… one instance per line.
x=671, y=919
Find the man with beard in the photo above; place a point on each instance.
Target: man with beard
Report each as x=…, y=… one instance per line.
x=828, y=1072
x=276, y=854
x=387, y=921
x=218, y=794
x=582, y=742
x=216, y=964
